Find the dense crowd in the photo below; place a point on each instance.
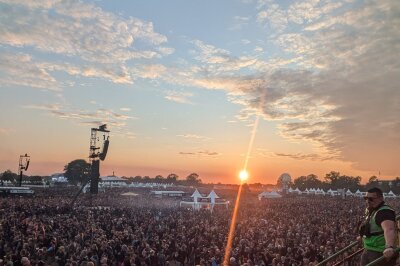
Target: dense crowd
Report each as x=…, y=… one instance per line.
x=110, y=229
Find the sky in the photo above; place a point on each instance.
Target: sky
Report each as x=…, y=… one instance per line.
x=181, y=84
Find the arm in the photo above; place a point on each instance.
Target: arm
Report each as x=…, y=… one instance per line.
x=389, y=229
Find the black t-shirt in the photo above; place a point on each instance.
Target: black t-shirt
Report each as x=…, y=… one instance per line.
x=384, y=215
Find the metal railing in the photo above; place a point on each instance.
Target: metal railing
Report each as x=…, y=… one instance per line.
x=337, y=254
x=378, y=260
x=355, y=243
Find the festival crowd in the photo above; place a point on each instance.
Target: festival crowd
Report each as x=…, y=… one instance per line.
x=111, y=229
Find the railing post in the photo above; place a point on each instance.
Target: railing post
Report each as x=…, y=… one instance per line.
x=381, y=258
x=322, y=263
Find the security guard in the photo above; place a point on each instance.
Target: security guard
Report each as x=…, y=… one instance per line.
x=378, y=231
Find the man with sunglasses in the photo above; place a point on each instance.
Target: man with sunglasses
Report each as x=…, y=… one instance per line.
x=378, y=231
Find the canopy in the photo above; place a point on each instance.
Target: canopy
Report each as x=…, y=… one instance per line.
x=196, y=195
x=213, y=196
x=269, y=195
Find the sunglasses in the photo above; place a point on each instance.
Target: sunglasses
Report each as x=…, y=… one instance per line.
x=370, y=198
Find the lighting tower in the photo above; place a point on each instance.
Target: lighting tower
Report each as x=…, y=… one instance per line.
x=23, y=166
x=98, y=137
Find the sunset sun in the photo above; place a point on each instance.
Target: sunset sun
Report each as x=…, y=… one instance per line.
x=243, y=175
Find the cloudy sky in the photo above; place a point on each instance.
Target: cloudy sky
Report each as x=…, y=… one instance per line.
x=180, y=85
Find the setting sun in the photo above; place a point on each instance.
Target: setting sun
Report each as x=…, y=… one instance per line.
x=243, y=175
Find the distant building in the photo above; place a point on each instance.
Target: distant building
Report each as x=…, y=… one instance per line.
x=58, y=178
x=113, y=181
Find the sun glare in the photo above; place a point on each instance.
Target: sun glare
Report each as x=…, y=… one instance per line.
x=243, y=175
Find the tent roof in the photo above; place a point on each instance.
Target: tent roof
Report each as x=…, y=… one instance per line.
x=112, y=178
x=272, y=194
x=196, y=194
x=213, y=195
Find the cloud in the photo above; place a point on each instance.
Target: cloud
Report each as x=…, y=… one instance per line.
x=125, y=109
x=150, y=71
x=302, y=12
x=335, y=83
x=192, y=136
x=179, y=96
x=89, y=42
x=75, y=28
x=301, y=156
x=115, y=121
x=218, y=61
x=200, y=153
x=20, y=69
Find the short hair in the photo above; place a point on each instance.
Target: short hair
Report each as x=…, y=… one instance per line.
x=376, y=190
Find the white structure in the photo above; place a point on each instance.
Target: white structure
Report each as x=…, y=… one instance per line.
x=200, y=201
x=349, y=193
x=359, y=194
x=112, y=181
x=332, y=193
x=320, y=192
x=389, y=195
x=269, y=195
x=212, y=196
x=59, y=178
x=284, y=180
x=297, y=191
x=167, y=193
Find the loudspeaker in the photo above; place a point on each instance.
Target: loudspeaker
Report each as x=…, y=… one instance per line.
x=103, y=154
x=94, y=177
x=27, y=165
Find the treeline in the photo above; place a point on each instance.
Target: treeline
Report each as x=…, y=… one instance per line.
x=334, y=180
x=78, y=171
x=12, y=177
x=193, y=179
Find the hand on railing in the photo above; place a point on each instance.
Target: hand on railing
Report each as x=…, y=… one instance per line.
x=388, y=253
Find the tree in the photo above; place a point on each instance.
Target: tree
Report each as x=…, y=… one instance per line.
x=137, y=178
x=193, y=179
x=172, y=178
x=9, y=176
x=310, y=181
x=159, y=179
x=373, y=179
x=77, y=171
x=332, y=179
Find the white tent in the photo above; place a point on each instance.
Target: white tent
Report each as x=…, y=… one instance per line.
x=319, y=192
x=213, y=196
x=358, y=193
x=269, y=195
x=208, y=203
x=297, y=190
x=196, y=195
x=306, y=191
x=349, y=193
x=331, y=192
x=390, y=195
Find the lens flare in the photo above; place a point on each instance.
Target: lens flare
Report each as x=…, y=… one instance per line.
x=243, y=175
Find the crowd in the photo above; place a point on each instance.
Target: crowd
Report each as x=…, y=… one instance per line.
x=110, y=229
